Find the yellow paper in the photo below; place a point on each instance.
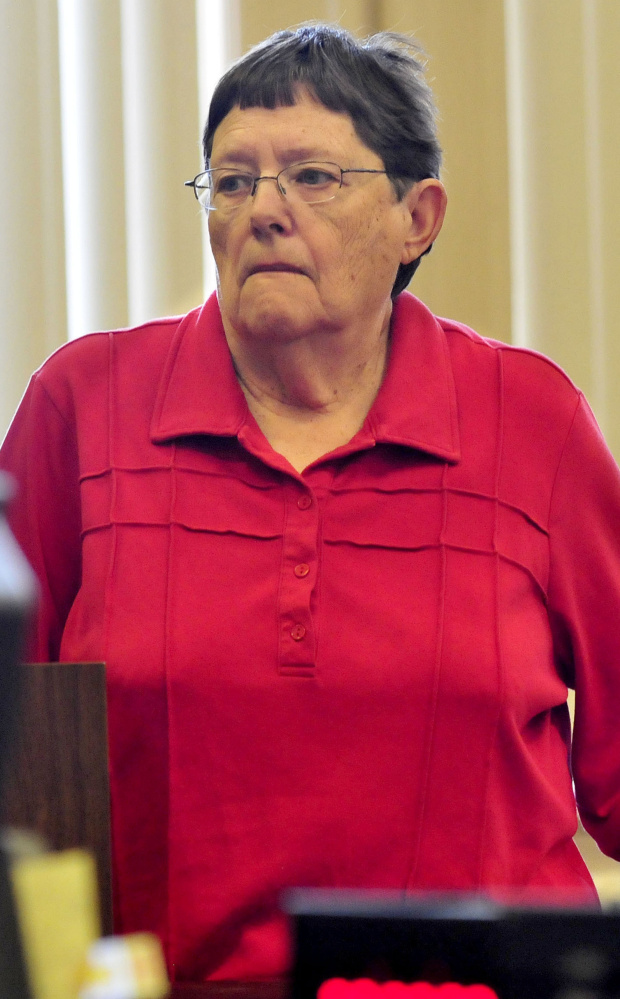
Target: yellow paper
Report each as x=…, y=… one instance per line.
x=56, y=898
x=129, y=967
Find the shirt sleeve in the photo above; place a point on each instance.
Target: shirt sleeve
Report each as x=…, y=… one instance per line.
x=40, y=453
x=584, y=610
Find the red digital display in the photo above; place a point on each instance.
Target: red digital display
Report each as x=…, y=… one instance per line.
x=365, y=988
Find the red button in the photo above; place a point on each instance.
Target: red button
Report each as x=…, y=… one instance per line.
x=304, y=502
x=298, y=632
x=301, y=570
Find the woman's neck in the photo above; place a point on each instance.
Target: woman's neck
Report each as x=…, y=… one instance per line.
x=308, y=396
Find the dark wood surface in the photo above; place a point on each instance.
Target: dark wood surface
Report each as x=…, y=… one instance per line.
x=13, y=982
x=231, y=990
x=57, y=777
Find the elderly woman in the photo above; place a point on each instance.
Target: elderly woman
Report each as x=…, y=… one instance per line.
x=342, y=558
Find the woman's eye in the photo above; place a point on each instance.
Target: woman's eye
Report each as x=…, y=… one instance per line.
x=313, y=177
x=232, y=183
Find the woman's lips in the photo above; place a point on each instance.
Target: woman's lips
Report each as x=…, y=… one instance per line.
x=276, y=268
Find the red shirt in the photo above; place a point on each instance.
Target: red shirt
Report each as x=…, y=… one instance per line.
x=355, y=676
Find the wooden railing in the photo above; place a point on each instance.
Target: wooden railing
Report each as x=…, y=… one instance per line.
x=57, y=768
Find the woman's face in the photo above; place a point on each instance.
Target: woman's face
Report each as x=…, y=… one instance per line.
x=289, y=270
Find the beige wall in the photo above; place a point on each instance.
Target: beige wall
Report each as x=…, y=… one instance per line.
x=467, y=276
x=261, y=19
x=32, y=273
x=565, y=219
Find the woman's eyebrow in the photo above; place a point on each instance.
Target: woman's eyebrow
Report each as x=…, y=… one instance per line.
x=234, y=157
x=295, y=154
x=298, y=154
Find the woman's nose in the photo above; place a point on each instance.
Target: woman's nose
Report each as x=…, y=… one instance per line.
x=259, y=180
x=268, y=205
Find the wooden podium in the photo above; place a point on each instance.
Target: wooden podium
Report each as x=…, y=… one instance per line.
x=57, y=784
x=56, y=779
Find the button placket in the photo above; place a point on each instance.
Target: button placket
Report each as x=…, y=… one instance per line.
x=297, y=581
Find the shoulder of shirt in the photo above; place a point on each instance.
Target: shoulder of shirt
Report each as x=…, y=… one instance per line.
x=520, y=363
x=93, y=345
x=89, y=343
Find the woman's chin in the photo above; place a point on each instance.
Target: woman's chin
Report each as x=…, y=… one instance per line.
x=275, y=320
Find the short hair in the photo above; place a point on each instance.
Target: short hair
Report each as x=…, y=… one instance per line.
x=379, y=82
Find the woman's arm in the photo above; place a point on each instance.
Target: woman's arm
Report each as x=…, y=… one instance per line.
x=584, y=608
x=40, y=453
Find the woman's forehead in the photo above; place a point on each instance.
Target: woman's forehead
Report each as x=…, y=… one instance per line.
x=304, y=130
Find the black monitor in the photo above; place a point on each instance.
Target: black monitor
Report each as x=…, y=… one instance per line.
x=351, y=945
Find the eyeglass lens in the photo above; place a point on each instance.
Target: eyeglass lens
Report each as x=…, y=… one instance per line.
x=310, y=182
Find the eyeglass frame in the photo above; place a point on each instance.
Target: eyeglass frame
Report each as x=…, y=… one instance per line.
x=256, y=181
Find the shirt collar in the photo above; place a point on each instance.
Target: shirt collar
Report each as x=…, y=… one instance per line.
x=415, y=407
x=416, y=404
x=198, y=391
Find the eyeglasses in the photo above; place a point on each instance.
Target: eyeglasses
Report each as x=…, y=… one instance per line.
x=311, y=182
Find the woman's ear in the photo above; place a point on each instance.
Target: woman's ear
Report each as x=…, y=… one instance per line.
x=426, y=205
